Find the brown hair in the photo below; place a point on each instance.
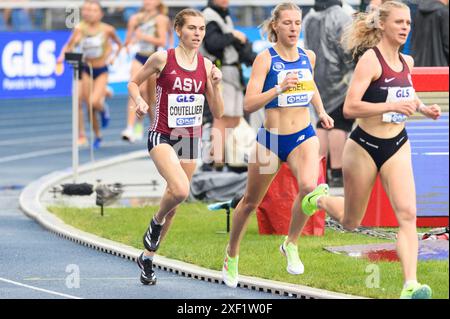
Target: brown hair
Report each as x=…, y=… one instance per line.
x=365, y=32
x=267, y=26
x=180, y=18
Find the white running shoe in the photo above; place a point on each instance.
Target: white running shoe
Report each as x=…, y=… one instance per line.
x=294, y=264
x=128, y=135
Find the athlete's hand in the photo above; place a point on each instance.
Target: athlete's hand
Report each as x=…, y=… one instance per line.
x=138, y=34
x=216, y=75
x=432, y=111
x=405, y=107
x=326, y=120
x=240, y=36
x=141, y=107
x=289, y=82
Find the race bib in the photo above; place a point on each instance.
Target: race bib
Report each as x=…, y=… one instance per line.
x=185, y=110
x=300, y=95
x=397, y=94
x=92, y=47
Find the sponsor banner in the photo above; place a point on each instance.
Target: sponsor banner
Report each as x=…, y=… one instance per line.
x=28, y=65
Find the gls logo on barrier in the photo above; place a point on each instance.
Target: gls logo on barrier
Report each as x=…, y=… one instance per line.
x=18, y=59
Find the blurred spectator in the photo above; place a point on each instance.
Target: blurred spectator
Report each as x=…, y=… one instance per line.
x=222, y=44
x=16, y=19
x=323, y=27
x=430, y=35
x=3, y=25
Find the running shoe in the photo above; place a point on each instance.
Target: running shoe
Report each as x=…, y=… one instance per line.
x=82, y=141
x=105, y=116
x=128, y=135
x=294, y=264
x=152, y=237
x=416, y=291
x=230, y=271
x=148, y=276
x=97, y=143
x=309, y=202
x=138, y=131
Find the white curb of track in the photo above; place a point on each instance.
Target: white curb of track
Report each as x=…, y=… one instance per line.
x=30, y=204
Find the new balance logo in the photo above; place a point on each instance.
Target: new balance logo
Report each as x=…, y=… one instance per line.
x=389, y=80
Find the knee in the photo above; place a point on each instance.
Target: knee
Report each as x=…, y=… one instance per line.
x=305, y=188
x=180, y=192
x=248, y=205
x=406, y=215
x=97, y=104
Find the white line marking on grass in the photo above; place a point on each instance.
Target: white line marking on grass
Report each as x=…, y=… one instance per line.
x=38, y=289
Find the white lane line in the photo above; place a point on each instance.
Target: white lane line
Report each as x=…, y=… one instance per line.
x=35, y=154
x=428, y=141
x=435, y=153
x=44, y=138
x=430, y=134
x=38, y=289
x=430, y=147
x=426, y=127
x=55, y=151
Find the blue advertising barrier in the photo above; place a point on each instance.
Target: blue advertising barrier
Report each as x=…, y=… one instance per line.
x=28, y=65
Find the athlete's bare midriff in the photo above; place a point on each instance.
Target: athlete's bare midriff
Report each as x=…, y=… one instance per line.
x=376, y=127
x=287, y=120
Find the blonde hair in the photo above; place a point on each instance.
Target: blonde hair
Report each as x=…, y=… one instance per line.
x=180, y=18
x=365, y=32
x=267, y=25
x=163, y=9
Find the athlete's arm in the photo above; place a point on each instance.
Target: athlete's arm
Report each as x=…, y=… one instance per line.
x=160, y=38
x=367, y=70
x=131, y=27
x=154, y=65
x=316, y=100
x=213, y=94
x=74, y=39
x=432, y=111
x=113, y=36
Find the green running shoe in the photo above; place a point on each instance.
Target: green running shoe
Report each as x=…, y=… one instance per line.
x=416, y=291
x=294, y=264
x=230, y=271
x=309, y=202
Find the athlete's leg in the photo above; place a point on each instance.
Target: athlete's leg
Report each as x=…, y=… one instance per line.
x=262, y=168
x=360, y=173
x=83, y=89
x=98, y=99
x=131, y=113
x=188, y=167
x=304, y=164
x=323, y=140
x=218, y=136
x=398, y=182
x=336, y=138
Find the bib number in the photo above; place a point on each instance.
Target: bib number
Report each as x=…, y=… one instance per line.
x=300, y=95
x=185, y=110
x=397, y=94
